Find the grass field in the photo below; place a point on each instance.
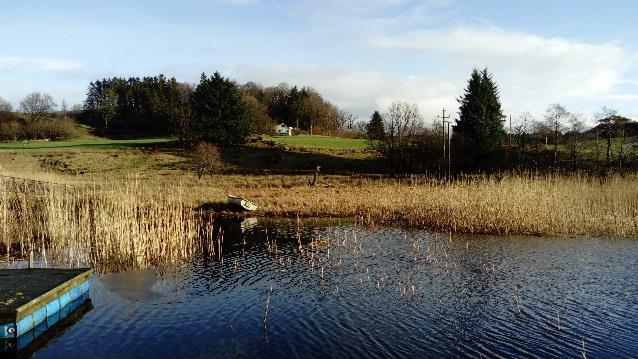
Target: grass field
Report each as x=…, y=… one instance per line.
x=81, y=143
x=321, y=142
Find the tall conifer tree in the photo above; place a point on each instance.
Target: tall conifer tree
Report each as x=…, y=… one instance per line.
x=219, y=112
x=374, y=128
x=480, y=120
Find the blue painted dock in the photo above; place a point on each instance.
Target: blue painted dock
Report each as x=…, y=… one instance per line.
x=33, y=300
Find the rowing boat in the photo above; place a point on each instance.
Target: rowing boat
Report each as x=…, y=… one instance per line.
x=243, y=203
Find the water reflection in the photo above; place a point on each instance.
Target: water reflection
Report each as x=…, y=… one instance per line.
x=329, y=288
x=50, y=329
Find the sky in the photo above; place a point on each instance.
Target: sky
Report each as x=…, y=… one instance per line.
x=360, y=54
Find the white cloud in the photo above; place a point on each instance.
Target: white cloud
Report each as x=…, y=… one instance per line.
x=528, y=67
x=531, y=71
x=620, y=97
x=14, y=63
x=369, y=15
x=233, y=2
x=242, y=2
x=358, y=91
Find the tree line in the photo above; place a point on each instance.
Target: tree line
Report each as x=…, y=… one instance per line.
x=221, y=111
x=216, y=109
x=479, y=140
x=150, y=106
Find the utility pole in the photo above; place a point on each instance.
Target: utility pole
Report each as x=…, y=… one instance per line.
x=622, y=141
x=510, y=134
x=449, y=150
x=556, y=141
x=443, y=121
x=597, y=151
x=446, y=124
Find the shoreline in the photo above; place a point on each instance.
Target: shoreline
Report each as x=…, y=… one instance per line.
x=403, y=224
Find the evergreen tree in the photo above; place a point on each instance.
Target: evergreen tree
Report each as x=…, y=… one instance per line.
x=219, y=112
x=374, y=128
x=151, y=106
x=480, y=122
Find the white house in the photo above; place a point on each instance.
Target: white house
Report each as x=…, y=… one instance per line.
x=284, y=130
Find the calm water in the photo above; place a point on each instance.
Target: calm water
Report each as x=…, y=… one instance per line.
x=355, y=292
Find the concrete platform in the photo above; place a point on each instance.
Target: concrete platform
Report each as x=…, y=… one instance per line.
x=29, y=296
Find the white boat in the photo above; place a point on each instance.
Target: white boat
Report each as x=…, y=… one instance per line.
x=243, y=203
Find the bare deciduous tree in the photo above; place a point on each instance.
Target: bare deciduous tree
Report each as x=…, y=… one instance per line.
x=523, y=128
x=605, y=117
x=38, y=105
x=347, y=119
x=576, y=126
x=402, y=125
x=555, y=116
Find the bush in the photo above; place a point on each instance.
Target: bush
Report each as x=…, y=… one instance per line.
x=14, y=128
x=207, y=159
x=51, y=128
x=11, y=130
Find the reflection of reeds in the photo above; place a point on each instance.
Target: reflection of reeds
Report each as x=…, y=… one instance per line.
x=518, y=301
x=584, y=353
x=267, y=308
x=113, y=225
x=558, y=319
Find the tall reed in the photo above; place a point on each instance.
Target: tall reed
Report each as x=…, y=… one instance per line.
x=509, y=204
x=108, y=225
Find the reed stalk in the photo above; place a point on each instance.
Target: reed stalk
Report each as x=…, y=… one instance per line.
x=114, y=225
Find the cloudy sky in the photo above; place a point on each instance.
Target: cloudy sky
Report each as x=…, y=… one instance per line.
x=361, y=54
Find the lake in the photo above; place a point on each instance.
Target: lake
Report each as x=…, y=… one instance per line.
x=328, y=288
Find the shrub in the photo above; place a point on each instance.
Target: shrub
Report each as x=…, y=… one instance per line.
x=11, y=130
x=207, y=159
x=14, y=128
x=50, y=128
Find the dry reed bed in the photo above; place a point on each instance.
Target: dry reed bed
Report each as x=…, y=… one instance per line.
x=121, y=224
x=539, y=205
x=132, y=222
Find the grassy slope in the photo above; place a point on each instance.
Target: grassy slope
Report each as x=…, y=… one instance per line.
x=321, y=142
x=80, y=143
x=89, y=154
x=84, y=140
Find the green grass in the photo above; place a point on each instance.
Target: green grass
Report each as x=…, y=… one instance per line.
x=80, y=143
x=321, y=142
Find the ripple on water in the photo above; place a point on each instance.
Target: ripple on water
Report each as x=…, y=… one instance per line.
x=373, y=293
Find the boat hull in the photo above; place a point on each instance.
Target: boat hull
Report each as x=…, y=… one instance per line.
x=241, y=203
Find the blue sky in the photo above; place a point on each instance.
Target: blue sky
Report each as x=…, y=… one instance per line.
x=361, y=55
